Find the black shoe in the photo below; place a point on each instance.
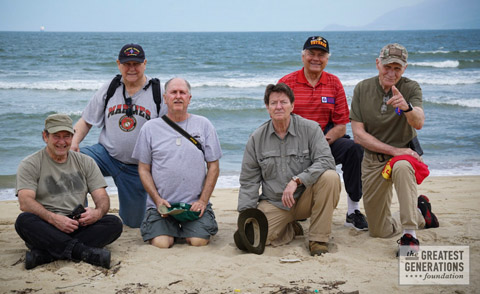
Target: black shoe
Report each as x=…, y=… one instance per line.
x=410, y=241
x=297, y=228
x=357, y=221
x=36, y=257
x=97, y=256
x=425, y=207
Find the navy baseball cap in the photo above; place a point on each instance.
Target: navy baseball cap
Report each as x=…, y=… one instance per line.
x=317, y=42
x=131, y=52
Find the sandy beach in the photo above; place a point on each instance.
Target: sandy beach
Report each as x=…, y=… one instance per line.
x=357, y=262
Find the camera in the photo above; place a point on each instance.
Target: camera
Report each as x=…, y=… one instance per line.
x=76, y=212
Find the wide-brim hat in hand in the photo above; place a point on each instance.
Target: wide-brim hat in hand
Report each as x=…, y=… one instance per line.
x=252, y=232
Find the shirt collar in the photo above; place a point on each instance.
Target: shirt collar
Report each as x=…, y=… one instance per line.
x=302, y=79
x=291, y=127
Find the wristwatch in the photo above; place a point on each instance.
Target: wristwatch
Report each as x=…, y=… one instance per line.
x=297, y=180
x=410, y=107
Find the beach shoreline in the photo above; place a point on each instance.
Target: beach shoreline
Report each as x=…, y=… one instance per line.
x=356, y=262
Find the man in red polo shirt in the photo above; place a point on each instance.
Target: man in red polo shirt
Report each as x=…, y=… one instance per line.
x=319, y=96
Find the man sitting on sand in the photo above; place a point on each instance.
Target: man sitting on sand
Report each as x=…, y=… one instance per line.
x=51, y=183
x=290, y=159
x=386, y=110
x=175, y=169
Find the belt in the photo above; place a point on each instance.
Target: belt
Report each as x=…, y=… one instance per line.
x=380, y=157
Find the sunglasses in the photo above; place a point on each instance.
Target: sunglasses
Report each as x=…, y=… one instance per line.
x=383, y=109
x=128, y=102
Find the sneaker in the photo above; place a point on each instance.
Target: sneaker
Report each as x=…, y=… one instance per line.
x=36, y=257
x=425, y=207
x=317, y=248
x=357, y=221
x=97, y=256
x=297, y=228
x=410, y=241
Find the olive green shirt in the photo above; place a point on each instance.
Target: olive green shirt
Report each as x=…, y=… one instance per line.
x=389, y=127
x=271, y=162
x=59, y=187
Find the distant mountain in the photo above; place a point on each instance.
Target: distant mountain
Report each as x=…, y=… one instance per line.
x=428, y=15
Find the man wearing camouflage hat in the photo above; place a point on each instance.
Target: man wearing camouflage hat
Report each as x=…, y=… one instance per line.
x=385, y=113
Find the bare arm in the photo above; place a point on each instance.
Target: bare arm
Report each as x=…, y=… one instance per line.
x=81, y=130
x=415, y=118
x=336, y=132
x=144, y=170
x=213, y=170
x=102, y=204
x=28, y=203
x=373, y=144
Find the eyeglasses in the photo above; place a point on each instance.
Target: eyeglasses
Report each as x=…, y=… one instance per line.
x=128, y=102
x=383, y=109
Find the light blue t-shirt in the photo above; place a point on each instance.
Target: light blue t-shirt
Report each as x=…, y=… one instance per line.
x=178, y=166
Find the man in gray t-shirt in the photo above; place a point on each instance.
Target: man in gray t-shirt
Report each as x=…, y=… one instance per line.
x=121, y=119
x=52, y=184
x=174, y=170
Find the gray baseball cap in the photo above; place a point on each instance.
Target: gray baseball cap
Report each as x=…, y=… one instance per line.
x=394, y=53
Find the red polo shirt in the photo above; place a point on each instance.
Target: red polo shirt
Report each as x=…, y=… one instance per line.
x=323, y=103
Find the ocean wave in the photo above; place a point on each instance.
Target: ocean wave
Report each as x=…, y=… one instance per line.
x=438, y=64
x=448, y=81
x=442, y=51
x=261, y=81
x=235, y=82
x=61, y=85
x=434, y=52
x=471, y=103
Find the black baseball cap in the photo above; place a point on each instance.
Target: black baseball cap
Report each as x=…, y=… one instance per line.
x=317, y=42
x=131, y=52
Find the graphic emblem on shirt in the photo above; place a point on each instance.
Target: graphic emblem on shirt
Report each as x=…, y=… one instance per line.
x=127, y=124
x=329, y=100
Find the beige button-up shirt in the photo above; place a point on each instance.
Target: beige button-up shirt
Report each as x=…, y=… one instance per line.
x=272, y=162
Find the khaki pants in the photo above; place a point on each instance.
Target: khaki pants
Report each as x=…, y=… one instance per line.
x=317, y=202
x=377, y=197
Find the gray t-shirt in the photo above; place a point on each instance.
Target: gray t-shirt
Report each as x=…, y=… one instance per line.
x=119, y=132
x=178, y=166
x=59, y=187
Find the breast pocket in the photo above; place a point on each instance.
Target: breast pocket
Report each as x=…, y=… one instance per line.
x=268, y=164
x=298, y=160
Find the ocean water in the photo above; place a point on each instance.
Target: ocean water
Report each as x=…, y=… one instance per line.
x=46, y=72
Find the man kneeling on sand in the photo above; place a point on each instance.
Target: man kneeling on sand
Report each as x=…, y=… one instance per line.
x=52, y=186
x=289, y=157
x=178, y=162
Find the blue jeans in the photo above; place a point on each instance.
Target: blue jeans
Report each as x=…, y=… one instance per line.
x=40, y=235
x=131, y=194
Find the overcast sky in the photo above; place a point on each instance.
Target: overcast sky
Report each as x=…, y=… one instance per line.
x=190, y=15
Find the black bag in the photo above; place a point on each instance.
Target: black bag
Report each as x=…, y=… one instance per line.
x=415, y=146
